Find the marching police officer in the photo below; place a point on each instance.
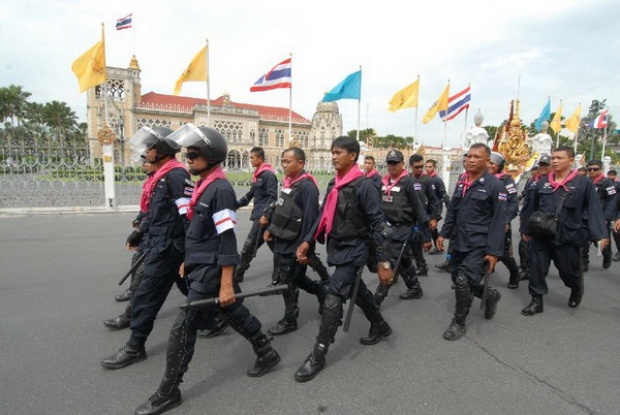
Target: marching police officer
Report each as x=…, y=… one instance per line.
x=371, y=171
x=122, y=321
x=607, y=195
x=423, y=186
x=295, y=212
x=439, y=187
x=350, y=220
x=542, y=169
x=210, y=258
x=476, y=226
x=403, y=210
x=164, y=224
x=264, y=191
x=569, y=198
x=496, y=167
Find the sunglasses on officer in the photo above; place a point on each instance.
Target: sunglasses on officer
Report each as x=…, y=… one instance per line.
x=594, y=168
x=192, y=155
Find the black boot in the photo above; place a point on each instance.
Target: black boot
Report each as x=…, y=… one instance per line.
x=511, y=264
x=380, y=293
x=490, y=308
x=158, y=403
x=422, y=271
x=464, y=298
x=414, y=290
x=120, y=322
x=124, y=296
x=291, y=312
x=379, y=329
x=330, y=320
x=534, y=307
x=576, y=294
x=240, y=271
x=607, y=257
x=266, y=356
x=126, y=355
x=444, y=266
x=220, y=327
x=249, y=327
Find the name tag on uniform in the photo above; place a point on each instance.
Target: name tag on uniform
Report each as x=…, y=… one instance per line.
x=417, y=186
x=280, y=201
x=388, y=199
x=287, y=190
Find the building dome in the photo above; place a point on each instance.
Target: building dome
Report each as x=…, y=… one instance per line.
x=327, y=107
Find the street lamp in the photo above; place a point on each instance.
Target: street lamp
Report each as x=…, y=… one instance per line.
x=121, y=125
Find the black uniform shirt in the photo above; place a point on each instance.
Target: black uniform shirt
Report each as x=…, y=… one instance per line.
x=607, y=195
x=264, y=191
x=428, y=196
x=477, y=219
x=512, y=207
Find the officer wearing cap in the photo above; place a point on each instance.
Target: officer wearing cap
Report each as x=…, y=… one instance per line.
x=607, y=195
x=439, y=187
x=537, y=172
x=572, y=198
x=165, y=224
x=476, y=226
x=264, y=192
x=496, y=167
x=403, y=210
x=423, y=186
x=210, y=259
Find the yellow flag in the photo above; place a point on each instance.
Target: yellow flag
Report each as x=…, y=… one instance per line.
x=90, y=67
x=406, y=97
x=572, y=123
x=196, y=70
x=556, y=122
x=440, y=105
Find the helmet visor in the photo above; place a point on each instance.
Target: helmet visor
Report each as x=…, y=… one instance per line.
x=141, y=142
x=188, y=136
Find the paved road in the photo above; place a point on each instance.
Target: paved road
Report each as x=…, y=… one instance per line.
x=58, y=281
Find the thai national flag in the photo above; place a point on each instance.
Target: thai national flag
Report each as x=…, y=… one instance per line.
x=601, y=120
x=124, y=22
x=456, y=104
x=278, y=77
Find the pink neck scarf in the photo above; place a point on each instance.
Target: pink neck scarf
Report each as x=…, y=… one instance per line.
x=260, y=169
x=556, y=184
x=598, y=178
x=466, y=182
x=372, y=173
x=160, y=173
x=201, y=186
x=288, y=181
x=386, y=181
x=329, y=211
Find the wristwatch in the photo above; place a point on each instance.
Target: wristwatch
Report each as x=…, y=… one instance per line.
x=385, y=265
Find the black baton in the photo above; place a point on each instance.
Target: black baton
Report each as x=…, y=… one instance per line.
x=216, y=300
x=356, y=287
x=485, y=289
x=133, y=268
x=259, y=237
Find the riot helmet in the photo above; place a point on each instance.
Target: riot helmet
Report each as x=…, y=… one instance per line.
x=208, y=141
x=148, y=138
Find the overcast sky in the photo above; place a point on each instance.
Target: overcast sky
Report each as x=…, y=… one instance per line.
x=566, y=49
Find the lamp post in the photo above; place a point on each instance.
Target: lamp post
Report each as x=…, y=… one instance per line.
x=121, y=126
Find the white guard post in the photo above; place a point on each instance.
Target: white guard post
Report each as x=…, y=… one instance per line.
x=445, y=167
x=108, y=177
x=606, y=164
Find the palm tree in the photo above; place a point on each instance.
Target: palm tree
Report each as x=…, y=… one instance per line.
x=60, y=117
x=13, y=101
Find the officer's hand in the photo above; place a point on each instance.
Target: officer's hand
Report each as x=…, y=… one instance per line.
x=526, y=237
x=227, y=296
x=264, y=220
x=492, y=260
x=433, y=224
x=136, y=223
x=302, y=250
x=617, y=226
x=182, y=270
x=507, y=227
x=134, y=238
x=267, y=236
x=603, y=243
x=242, y=202
x=426, y=246
x=386, y=276
x=440, y=243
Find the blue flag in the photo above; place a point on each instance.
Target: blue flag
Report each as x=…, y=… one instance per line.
x=350, y=88
x=545, y=115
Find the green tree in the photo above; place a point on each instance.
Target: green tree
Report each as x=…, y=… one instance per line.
x=13, y=102
x=60, y=118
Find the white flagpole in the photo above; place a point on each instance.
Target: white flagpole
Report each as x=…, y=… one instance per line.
x=208, y=88
x=290, y=105
x=464, y=127
x=415, y=127
x=359, y=109
x=604, y=141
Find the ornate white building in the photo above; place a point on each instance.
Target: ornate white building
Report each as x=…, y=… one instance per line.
x=243, y=125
